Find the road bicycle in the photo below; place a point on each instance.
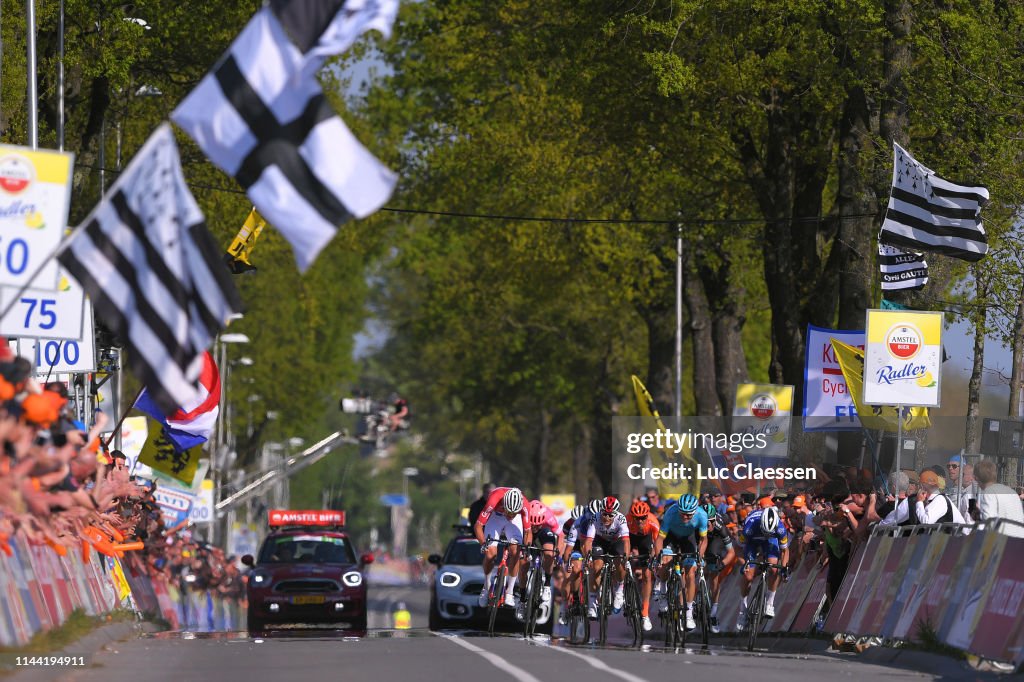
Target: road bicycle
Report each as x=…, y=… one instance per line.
x=496, y=590
x=673, y=619
x=576, y=602
x=532, y=590
x=758, y=598
x=632, y=605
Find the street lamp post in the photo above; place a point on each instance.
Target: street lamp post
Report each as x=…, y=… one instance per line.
x=221, y=441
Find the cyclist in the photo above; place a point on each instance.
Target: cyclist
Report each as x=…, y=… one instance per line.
x=719, y=554
x=685, y=530
x=765, y=536
x=510, y=521
x=547, y=535
x=643, y=533
x=607, y=535
x=572, y=552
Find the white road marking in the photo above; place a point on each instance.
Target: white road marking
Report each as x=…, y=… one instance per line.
x=495, y=660
x=599, y=664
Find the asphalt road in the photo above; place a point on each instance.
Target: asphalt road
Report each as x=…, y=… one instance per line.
x=417, y=654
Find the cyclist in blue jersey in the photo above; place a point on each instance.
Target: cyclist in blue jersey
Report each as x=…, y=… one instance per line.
x=685, y=530
x=764, y=538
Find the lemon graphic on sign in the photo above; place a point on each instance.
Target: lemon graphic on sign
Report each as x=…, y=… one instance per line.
x=926, y=381
x=64, y=284
x=779, y=436
x=34, y=220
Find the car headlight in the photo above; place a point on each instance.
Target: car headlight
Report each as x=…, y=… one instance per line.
x=260, y=578
x=352, y=579
x=449, y=579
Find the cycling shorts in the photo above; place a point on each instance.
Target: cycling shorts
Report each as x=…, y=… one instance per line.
x=498, y=525
x=544, y=536
x=766, y=548
x=643, y=544
x=614, y=546
x=681, y=545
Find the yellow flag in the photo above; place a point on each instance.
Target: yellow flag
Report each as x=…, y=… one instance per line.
x=159, y=453
x=851, y=361
x=243, y=243
x=667, y=488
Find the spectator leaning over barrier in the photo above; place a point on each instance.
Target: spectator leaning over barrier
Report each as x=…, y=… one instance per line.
x=931, y=505
x=998, y=501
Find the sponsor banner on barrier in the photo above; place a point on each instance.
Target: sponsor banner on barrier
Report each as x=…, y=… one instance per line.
x=998, y=624
x=884, y=589
x=870, y=581
x=814, y=600
x=977, y=573
x=846, y=600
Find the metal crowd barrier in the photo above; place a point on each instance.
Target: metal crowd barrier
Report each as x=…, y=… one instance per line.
x=40, y=588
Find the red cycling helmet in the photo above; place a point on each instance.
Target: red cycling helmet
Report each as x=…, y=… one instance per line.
x=610, y=506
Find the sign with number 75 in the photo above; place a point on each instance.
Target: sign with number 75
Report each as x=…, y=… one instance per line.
x=44, y=314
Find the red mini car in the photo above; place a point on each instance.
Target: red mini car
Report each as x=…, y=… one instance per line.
x=307, y=573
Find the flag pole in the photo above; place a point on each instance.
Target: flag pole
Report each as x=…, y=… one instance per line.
x=124, y=415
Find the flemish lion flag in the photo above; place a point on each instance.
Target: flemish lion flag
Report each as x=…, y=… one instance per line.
x=159, y=454
x=667, y=488
x=851, y=361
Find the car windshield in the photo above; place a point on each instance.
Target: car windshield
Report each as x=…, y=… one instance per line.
x=307, y=549
x=464, y=553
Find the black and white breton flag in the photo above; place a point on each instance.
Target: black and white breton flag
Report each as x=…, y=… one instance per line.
x=154, y=272
x=261, y=116
x=901, y=269
x=929, y=213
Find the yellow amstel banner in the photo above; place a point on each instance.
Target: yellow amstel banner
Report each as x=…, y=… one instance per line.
x=851, y=362
x=767, y=409
x=903, y=358
x=667, y=488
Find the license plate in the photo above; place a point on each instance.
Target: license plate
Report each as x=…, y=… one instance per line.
x=308, y=599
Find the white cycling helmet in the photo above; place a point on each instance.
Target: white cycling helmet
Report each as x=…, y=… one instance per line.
x=769, y=520
x=512, y=501
x=577, y=511
x=596, y=506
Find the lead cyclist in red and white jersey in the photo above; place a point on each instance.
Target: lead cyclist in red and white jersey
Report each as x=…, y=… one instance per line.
x=504, y=514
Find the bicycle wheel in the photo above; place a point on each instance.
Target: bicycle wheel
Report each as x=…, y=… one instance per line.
x=576, y=613
x=672, y=626
x=634, y=609
x=495, y=599
x=585, y=604
x=528, y=602
x=755, y=611
x=604, y=605
x=704, y=614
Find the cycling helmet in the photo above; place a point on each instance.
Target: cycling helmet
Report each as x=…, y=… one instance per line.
x=687, y=504
x=536, y=517
x=710, y=510
x=537, y=506
x=640, y=509
x=596, y=506
x=577, y=511
x=609, y=505
x=769, y=520
x=513, y=501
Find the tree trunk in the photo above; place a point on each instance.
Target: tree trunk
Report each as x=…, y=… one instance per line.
x=661, y=348
x=705, y=387
x=1017, y=371
x=582, y=457
x=541, y=455
x=972, y=438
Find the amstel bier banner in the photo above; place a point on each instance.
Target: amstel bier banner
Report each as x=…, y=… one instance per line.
x=903, y=358
x=765, y=409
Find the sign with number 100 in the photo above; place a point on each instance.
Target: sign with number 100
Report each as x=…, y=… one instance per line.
x=65, y=355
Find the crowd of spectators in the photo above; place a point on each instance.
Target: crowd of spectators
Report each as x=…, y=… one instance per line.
x=61, y=486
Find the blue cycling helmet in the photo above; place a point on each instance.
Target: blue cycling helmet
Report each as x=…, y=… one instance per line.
x=687, y=504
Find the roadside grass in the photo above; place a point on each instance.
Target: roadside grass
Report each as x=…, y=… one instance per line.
x=78, y=625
